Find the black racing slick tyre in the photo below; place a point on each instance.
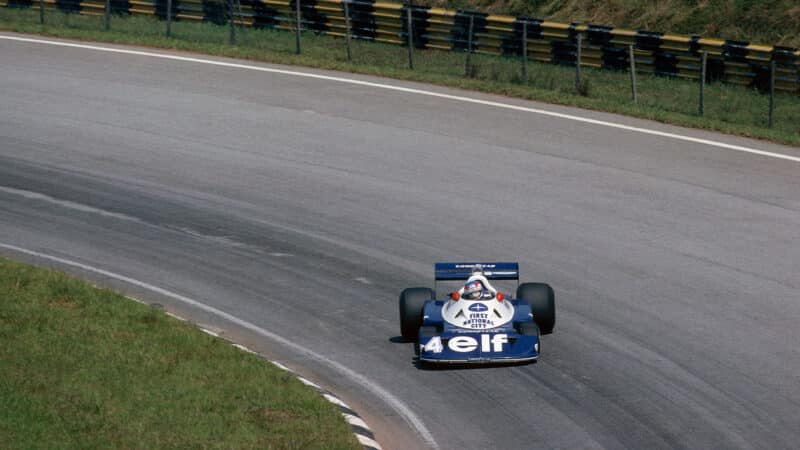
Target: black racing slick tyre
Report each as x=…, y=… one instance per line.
x=428, y=331
x=412, y=301
x=542, y=300
x=529, y=329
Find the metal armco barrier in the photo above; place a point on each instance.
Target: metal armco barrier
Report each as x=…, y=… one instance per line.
x=602, y=47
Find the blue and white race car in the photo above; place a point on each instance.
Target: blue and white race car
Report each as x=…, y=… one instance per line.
x=477, y=323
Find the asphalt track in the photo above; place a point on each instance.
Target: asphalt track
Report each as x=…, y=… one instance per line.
x=303, y=206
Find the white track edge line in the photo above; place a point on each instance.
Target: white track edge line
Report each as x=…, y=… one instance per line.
x=308, y=382
x=620, y=126
x=282, y=367
x=405, y=412
x=355, y=420
x=209, y=332
x=244, y=349
x=336, y=401
x=366, y=441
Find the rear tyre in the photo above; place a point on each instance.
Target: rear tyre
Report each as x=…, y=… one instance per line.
x=412, y=302
x=542, y=300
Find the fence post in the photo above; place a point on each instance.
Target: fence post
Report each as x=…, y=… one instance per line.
x=525, y=52
x=347, y=28
x=467, y=61
x=108, y=15
x=704, y=61
x=410, y=35
x=632, y=57
x=169, y=17
x=578, y=65
x=297, y=26
x=41, y=12
x=771, y=91
x=239, y=15
x=233, y=27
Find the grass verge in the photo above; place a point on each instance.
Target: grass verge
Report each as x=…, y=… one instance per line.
x=728, y=108
x=82, y=367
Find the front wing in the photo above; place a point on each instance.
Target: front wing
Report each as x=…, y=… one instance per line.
x=486, y=346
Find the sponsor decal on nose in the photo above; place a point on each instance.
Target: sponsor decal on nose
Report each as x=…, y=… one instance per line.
x=478, y=307
x=462, y=344
x=488, y=343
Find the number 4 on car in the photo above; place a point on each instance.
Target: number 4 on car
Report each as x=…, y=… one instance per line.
x=477, y=323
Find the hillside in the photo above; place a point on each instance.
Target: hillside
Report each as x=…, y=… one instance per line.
x=774, y=22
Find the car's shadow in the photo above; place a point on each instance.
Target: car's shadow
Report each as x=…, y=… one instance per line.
x=421, y=365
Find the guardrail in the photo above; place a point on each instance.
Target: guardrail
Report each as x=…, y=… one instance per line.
x=601, y=46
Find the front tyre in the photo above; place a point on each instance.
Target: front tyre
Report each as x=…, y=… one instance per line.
x=542, y=300
x=529, y=329
x=412, y=302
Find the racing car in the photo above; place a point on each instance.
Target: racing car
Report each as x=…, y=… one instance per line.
x=477, y=323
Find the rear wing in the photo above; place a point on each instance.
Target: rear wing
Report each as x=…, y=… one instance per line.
x=463, y=270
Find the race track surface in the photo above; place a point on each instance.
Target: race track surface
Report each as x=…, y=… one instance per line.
x=304, y=206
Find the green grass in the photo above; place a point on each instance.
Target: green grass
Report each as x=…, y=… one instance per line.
x=728, y=108
x=82, y=367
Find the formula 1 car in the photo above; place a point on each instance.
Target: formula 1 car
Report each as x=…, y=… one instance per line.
x=477, y=326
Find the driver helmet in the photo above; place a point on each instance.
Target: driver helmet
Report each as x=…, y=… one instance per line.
x=473, y=290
